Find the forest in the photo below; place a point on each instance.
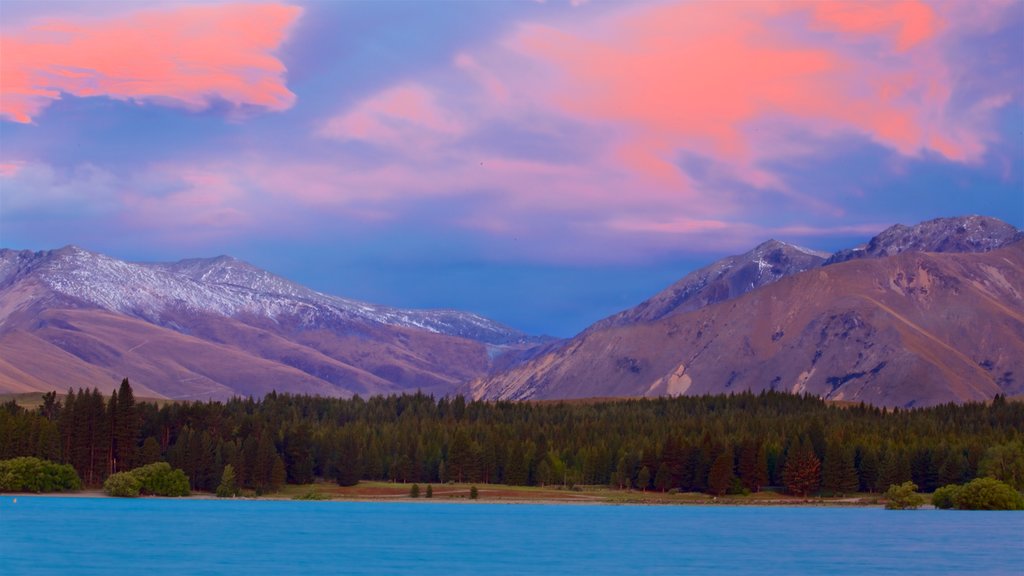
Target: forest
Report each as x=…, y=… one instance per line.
x=714, y=444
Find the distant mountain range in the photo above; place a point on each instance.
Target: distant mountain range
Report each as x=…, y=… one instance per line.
x=920, y=315
x=217, y=327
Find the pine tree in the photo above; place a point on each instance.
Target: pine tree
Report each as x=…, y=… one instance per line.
x=459, y=455
x=228, y=487
x=277, y=474
x=643, y=478
x=867, y=469
x=753, y=465
x=663, y=479
x=150, y=452
x=112, y=426
x=838, y=473
x=126, y=433
x=720, y=476
x=802, y=472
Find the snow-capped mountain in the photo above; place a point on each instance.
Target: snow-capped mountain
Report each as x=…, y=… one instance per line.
x=217, y=327
x=964, y=234
x=223, y=286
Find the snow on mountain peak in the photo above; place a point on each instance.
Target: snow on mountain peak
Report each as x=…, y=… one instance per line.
x=222, y=286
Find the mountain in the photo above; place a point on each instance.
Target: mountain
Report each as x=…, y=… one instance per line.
x=219, y=327
x=966, y=234
x=893, y=326
x=723, y=280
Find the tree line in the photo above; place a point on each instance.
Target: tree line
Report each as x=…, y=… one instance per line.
x=713, y=444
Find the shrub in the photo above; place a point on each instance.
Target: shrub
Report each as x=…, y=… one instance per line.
x=473, y=493
x=903, y=497
x=430, y=491
x=414, y=492
x=159, y=479
x=987, y=494
x=27, y=474
x=122, y=485
x=945, y=497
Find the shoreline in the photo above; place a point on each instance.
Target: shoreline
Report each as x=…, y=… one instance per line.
x=592, y=500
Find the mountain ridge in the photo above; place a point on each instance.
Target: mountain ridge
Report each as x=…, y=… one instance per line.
x=217, y=327
x=715, y=286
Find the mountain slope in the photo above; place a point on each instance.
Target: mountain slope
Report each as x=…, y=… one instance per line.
x=219, y=327
x=892, y=326
x=915, y=329
x=723, y=280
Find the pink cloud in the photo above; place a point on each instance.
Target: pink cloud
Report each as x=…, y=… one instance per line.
x=700, y=75
x=911, y=22
x=9, y=169
x=495, y=88
x=184, y=56
x=406, y=116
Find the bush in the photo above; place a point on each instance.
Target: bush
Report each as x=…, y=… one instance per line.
x=159, y=479
x=987, y=494
x=29, y=474
x=473, y=493
x=945, y=498
x=903, y=497
x=414, y=492
x=430, y=491
x=122, y=485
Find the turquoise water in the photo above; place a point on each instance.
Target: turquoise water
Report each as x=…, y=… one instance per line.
x=41, y=535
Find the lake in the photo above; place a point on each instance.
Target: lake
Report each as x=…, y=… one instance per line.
x=46, y=535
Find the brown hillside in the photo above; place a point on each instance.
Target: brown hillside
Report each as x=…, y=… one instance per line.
x=912, y=329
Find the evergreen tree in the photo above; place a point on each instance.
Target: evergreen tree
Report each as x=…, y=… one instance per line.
x=150, y=452
x=126, y=431
x=839, y=475
x=721, y=475
x=228, y=487
x=277, y=474
x=643, y=478
x=663, y=479
x=349, y=465
x=867, y=469
x=753, y=466
x=894, y=469
x=459, y=454
x=802, y=472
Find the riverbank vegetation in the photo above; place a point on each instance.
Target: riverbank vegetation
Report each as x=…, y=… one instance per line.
x=717, y=445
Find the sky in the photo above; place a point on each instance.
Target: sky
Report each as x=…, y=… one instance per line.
x=544, y=164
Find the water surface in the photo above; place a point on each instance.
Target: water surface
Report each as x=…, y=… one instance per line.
x=43, y=535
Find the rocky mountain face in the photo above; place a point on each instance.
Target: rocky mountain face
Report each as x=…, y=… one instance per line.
x=967, y=234
x=723, y=280
x=898, y=324
x=219, y=327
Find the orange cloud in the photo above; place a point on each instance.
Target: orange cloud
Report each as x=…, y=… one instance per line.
x=185, y=56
